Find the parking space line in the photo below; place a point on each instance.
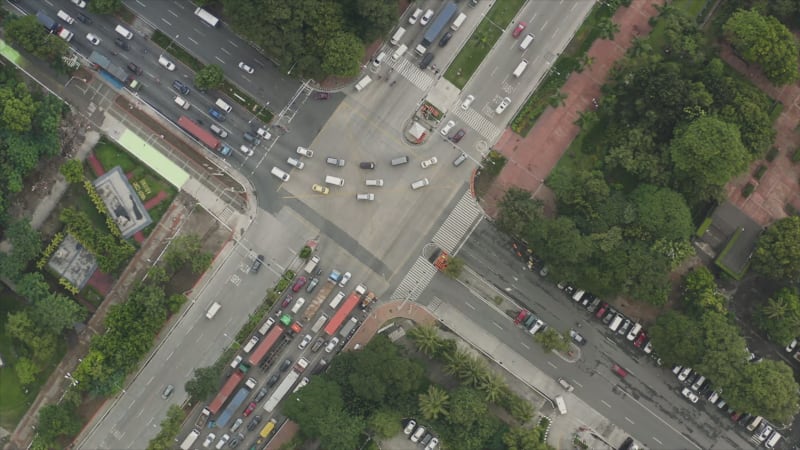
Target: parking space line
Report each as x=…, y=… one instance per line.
x=656, y=439
x=629, y=420
x=605, y=403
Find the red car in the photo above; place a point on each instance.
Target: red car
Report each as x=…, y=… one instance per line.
x=458, y=136
x=249, y=409
x=601, y=311
x=640, y=340
x=520, y=28
x=622, y=373
x=299, y=284
x=287, y=300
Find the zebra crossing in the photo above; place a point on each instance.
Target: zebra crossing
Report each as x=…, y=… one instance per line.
x=458, y=223
x=412, y=73
x=479, y=123
x=415, y=281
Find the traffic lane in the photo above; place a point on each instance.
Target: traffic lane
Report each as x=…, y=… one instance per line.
x=219, y=46
x=622, y=411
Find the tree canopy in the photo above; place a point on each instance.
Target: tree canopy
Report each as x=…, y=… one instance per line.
x=777, y=254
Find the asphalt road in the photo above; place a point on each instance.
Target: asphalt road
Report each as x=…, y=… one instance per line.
x=660, y=416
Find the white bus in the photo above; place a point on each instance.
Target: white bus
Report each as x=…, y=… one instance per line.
x=207, y=17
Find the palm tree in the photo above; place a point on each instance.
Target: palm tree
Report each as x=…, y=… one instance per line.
x=426, y=338
x=640, y=46
x=586, y=62
x=456, y=361
x=558, y=99
x=492, y=386
x=433, y=403
x=776, y=308
x=473, y=371
x=608, y=28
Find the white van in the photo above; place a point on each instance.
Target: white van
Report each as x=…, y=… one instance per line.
x=561, y=404
x=634, y=331
x=250, y=344
x=223, y=106
x=336, y=300
x=421, y=49
x=335, y=181
x=212, y=310
x=526, y=41
x=578, y=295
x=379, y=59
x=420, y=184
x=754, y=423
x=363, y=83
x=65, y=17
x=398, y=35
x=298, y=304
x=320, y=322
x=615, y=323
x=520, y=68
x=296, y=163
x=399, y=52
x=280, y=174
x=180, y=101
x=377, y=182
x=124, y=32
x=458, y=22
x=267, y=325
x=773, y=440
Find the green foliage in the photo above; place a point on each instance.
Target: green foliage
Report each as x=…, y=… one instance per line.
x=550, y=340
x=701, y=293
x=170, y=427
x=760, y=171
x=493, y=163
x=342, y=55
x=72, y=170
x=519, y=438
x=701, y=230
x=519, y=408
x=56, y=421
x=105, y=6
x=748, y=190
x=767, y=389
x=384, y=423
x=110, y=252
x=454, y=267
x=518, y=211
x=26, y=371
x=465, y=405
x=427, y=340
x=796, y=156
x=772, y=154
x=51, y=247
x=26, y=32
x=203, y=384
x=434, y=403
x=101, y=208
x=185, y=250
x=678, y=339
x=779, y=317
x=26, y=243
x=764, y=41
x=209, y=77
x=777, y=254
x=305, y=253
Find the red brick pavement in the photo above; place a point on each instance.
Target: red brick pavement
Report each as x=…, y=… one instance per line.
x=779, y=185
x=94, y=163
x=532, y=158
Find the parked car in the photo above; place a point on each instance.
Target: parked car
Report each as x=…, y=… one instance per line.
x=301, y=281
x=456, y=138
x=135, y=69
x=467, y=102
x=791, y=345
x=287, y=300
x=447, y=127
x=345, y=279
x=261, y=394
x=577, y=338
x=250, y=408
x=254, y=423
x=304, y=343
x=689, y=394
x=312, y=284
x=429, y=162
x=409, y=427
x=331, y=344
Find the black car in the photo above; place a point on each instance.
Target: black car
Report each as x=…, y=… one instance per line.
x=458, y=136
x=180, y=87
x=272, y=380
x=593, y=305
x=84, y=18
x=122, y=43
x=261, y=394
x=285, y=365
x=254, y=423
x=577, y=338
x=135, y=69
x=367, y=165
x=445, y=39
x=426, y=61
x=257, y=264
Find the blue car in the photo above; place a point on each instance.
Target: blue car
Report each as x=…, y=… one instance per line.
x=217, y=114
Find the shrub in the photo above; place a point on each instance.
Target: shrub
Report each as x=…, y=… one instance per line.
x=748, y=189
x=796, y=156
x=760, y=172
x=772, y=154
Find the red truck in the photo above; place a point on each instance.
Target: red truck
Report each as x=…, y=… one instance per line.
x=203, y=135
x=338, y=319
x=225, y=392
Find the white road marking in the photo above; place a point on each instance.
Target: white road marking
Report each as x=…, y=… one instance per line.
x=141, y=4
x=552, y=365
x=576, y=383
x=150, y=381
x=219, y=59
x=166, y=21
x=170, y=355
x=470, y=305
x=195, y=42
x=656, y=439
x=233, y=44
x=495, y=324
x=604, y=402
x=174, y=14
x=140, y=412
x=525, y=345
x=226, y=52
x=629, y=420
x=132, y=403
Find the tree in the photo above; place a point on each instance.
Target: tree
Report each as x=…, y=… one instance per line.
x=767, y=389
x=209, y=77
x=492, y=386
x=466, y=404
x=779, y=318
x=550, y=340
x=105, y=6
x=17, y=110
x=777, y=254
x=72, y=169
x=456, y=361
x=341, y=431
x=517, y=210
x=384, y=423
x=342, y=55
x=56, y=421
x=56, y=312
x=701, y=294
x=26, y=245
x=372, y=18
x=608, y=28
x=26, y=371
x=706, y=154
x=426, y=338
x=763, y=40
x=661, y=213
x=678, y=339
x=724, y=354
x=170, y=427
x=454, y=267
x=434, y=403
x=203, y=384
x=472, y=371
x=519, y=438
x=311, y=406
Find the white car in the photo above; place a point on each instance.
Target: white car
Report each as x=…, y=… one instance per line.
x=246, y=68
x=93, y=39
x=331, y=345
x=467, y=101
x=791, y=346
x=432, y=444
x=447, y=127
x=209, y=439
x=418, y=434
x=429, y=162
x=166, y=63
x=503, y=105
x=690, y=395
x=305, y=152
x=345, y=279
x=264, y=133
x=222, y=441
x=304, y=343
x=409, y=427
x=412, y=19
x=79, y=3
x=684, y=374
x=426, y=18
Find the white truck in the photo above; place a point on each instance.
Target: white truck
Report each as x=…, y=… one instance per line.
x=562, y=406
x=286, y=385
x=65, y=34
x=311, y=264
x=187, y=443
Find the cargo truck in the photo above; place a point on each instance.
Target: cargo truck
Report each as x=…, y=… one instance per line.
x=187, y=443
x=311, y=264
x=49, y=24
x=203, y=135
x=266, y=345
x=342, y=313
x=438, y=24
x=226, y=391
x=99, y=61
x=293, y=327
x=286, y=385
x=322, y=295
x=268, y=428
x=235, y=403
x=367, y=300
x=348, y=327
x=65, y=34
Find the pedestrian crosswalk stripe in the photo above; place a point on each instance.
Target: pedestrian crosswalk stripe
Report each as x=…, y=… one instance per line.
x=412, y=73
x=458, y=223
x=415, y=281
x=479, y=123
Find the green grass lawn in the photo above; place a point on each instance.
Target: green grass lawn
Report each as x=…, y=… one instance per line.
x=111, y=156
x=481, y=41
